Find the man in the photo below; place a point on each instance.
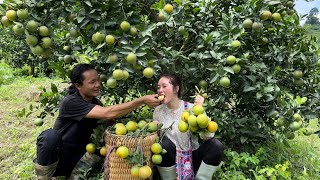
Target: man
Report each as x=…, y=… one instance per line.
x=61, y=149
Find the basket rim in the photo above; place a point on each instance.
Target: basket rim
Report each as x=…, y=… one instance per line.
x=108, y=132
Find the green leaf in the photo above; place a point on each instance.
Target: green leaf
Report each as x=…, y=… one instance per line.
x=243, y=139
x=88, y=3
x=248, y=88
x=229, y=69
x=54, y=88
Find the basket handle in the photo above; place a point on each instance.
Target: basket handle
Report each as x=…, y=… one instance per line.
x=106, y=163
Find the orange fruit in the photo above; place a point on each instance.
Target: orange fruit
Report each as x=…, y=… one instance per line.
x=156, y=158
x=185, y=115
x=183, y=126
x=145, y=172
x=109, y=39
x=192, y=120
x=122, y=152
x=212, y=127
x=121, y=130
x=91, y=148
x=131, y=126
x=148, y=72
x=103, y=151
x=134, y=171
x=202, y=120
x=125, y=26
x=197, y=109
x=156, y=148
x=168, y=8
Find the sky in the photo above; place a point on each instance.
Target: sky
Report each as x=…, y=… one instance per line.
x=304, y=7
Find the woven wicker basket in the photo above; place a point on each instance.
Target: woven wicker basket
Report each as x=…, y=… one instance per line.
x=117, y=168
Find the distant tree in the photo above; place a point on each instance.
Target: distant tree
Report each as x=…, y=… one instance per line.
x=312, y=17
x=314, y=11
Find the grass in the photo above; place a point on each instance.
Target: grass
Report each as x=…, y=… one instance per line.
x=18, y=136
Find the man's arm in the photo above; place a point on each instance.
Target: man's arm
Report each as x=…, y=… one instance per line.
x=118, y=110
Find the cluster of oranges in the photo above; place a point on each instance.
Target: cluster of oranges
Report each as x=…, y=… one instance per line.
x=196, y=121
x=37, y=35
x=132, y=126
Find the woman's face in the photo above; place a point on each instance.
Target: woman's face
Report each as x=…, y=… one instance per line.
x=165, y=88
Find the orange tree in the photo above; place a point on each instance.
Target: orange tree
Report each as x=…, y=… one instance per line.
x=252, y=58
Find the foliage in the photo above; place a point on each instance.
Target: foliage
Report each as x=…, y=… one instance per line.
x=312, y=17
x=6, y=73
x=258, y=95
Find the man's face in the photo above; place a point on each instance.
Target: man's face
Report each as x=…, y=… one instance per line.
x=91, y=85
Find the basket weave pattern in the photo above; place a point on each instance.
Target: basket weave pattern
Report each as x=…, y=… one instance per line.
x=117, y=168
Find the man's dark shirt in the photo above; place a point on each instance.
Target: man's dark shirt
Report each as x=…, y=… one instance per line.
x=75, y=130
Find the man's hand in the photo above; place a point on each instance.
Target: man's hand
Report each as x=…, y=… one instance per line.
x=198, y=100
x=151, y=100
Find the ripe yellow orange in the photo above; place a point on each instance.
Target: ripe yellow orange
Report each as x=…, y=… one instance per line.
x=91, y=148
x=212, y=127
x=161, y=98
x=103, y=151
x=122, y=152
x=156, y=158
x=197, y=109
x=185, y=115
x=131, y=126
x=118, y=124
x=183, y=126
x=134, y=171
x=121, y=130
x=156, y=148
x=145, y=172
x=168, y=8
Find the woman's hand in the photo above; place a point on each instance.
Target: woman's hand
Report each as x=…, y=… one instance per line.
x=198, y=100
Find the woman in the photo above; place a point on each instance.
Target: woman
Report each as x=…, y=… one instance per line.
x=205, y=157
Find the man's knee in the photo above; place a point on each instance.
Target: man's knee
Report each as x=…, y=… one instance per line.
x=49, y=145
